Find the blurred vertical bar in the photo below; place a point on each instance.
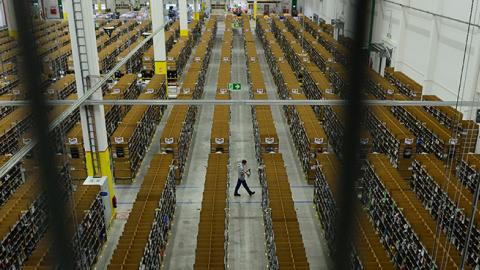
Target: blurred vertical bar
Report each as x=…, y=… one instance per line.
x=30, y=73
x=354, y=111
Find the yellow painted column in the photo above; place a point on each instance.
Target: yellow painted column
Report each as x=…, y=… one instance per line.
x=182, y=9
x=161, y=67
x=255, y=10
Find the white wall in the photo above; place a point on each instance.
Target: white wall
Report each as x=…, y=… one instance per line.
x=428, y=48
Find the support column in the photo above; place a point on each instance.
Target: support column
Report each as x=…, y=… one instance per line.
x=196, y=10
x=160, y=55
x=255, y=8
x=433, y=49
x=183, y=10
x=87, y=73
x=11, y=20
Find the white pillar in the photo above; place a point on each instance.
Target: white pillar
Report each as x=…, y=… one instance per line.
x=433, y=49
x=85, y=60
x=160, y=55
x=183, y=10
x=11, y=20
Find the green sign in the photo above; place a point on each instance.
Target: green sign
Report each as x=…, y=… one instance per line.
x=236, y=25
x=234, y=86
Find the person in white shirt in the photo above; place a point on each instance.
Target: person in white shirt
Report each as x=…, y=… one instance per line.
x=243, y=171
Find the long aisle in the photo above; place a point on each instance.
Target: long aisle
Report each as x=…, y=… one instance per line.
x=302, y=192
x=180, y=253
x=246, y=231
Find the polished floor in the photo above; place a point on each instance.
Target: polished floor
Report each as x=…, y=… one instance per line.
x=246, y=230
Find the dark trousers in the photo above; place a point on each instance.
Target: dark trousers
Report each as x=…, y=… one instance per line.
x=244, y=184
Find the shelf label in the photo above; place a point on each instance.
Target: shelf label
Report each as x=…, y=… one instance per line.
x=270, y=140
x=219, y=140
x=260, y=91
x=26, y=140
x=72, y=140
x=318, y=140
x=186, y=90
x=252, y=59
x=223, y=91
x=452, y=141
x=408, y=141
x=226, y=59
x=197, y=59
x=116, y=91
x=169, y=140
x=390, y=91
x=149, y=91
x=119, y=140
x=295, y=91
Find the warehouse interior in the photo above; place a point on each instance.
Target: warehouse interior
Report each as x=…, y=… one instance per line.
x=239, y=134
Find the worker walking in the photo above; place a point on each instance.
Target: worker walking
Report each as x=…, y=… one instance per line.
x=243, y=171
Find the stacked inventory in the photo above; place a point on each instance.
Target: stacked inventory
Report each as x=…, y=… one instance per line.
x=307, y=133
x=432, y=137
x=10, y=181
x=368, y=250
x=405, y=84
x=178, y=131
x=144, y=238
x=402, y=219
x=212, y=238
x=380, y=87
x=284, y=243
x=62, y=88
x=452, y=119
x=265, y=134
x=340, y=52
x=25, y=206
x=448, y=201
x=23, y=218
x=468, y=171
x=178, y=56
x=87, y=222
x=289, y=249
x=392, y=138
x=12, y=127
x=133, y=135
x=219, y=140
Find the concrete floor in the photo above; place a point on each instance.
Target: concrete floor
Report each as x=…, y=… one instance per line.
x=246, y=230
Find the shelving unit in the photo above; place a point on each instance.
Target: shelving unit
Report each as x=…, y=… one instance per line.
x=132, y=137
x=178, y=131
x=148, y=59
x=145, y=235
x=392, y=138
x=432, y=137
x=212, y=238
x=379, y=86
x=440, y=193
x=307, y=133
x=452, y=119
x=468, y=171
x=11, y=181
x=400, y=216
x=178, y=56
x=405, y=84
x=89, y=227
x=368, y=251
